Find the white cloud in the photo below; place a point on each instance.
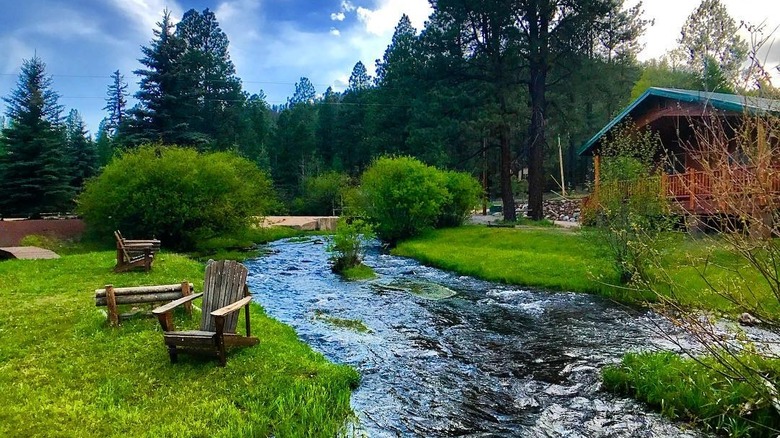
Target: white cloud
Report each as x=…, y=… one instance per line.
x=335, y=32
x=383, y=19
x=338, y=16
x=146, y=13
x=347, y=6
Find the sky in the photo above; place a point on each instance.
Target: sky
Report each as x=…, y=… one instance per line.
x=273, y=43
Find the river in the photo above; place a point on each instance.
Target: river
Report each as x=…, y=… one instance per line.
x=492, y=360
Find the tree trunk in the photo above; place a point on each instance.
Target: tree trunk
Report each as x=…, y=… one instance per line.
x=538, y=41
x=507, y=196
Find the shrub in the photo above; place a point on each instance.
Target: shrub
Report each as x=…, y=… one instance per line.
x=176, y=195
x=347, y=246
x=401, y=197
x=465, y=192
x=322, y=194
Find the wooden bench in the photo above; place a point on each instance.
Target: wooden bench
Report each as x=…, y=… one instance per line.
x=112, y=297
x=134, y=254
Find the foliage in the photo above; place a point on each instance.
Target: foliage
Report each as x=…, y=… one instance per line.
x=176, y=195
x=80, y=149
x=116, y=103
x=631, y=209
x=347, y=247
x=35, y=172
x=64, y=372
x=352, y=324
x=41, y=241
x=401, y=197
x=323, y=195
x=710, y=36
x=665, y=74
x=464, y=193
x=698, y=390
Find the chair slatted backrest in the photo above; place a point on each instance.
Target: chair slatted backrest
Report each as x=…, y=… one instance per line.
x=120, y=243
x=223, y=285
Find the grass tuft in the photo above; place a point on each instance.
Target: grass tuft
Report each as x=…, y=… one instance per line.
x=359, y=272
x=684, y=389
x=352, y=324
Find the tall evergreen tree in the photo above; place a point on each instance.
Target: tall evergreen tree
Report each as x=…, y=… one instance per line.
x=710, y=33
x=304, y=92
x=212, y=91
x=359, y=79
x=116, y=103
x=162, y=114
x=81, y=150
x=34, y=176
x=104, y=144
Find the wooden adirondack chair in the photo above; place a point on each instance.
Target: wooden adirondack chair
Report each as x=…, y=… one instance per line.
x=134, y=254
x=224, y=293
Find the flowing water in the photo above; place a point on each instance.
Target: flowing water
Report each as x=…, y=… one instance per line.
x=492, y=360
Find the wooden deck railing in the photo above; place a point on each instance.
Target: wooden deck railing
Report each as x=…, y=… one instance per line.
x=693, y=190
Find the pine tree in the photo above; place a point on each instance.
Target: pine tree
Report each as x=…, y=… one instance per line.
x=304, y=92
x=81, y=150
x=161, y=114
x=711, y=33
x=359, y=79
x=34, y=173
x=116, y=103
x=212, y=93
x=104, y=144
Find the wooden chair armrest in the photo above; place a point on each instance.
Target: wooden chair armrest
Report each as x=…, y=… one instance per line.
x=230, y=308
x=173, y=304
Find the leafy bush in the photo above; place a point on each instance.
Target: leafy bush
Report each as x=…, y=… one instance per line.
x=629, y=209
x=465, y=192
x=347, y=246
x=322, y=194
x=176, y=195
x=401, y=196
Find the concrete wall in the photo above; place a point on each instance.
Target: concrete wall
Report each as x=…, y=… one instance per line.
x=12, y=231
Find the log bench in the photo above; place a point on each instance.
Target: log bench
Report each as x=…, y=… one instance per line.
x=112, y=297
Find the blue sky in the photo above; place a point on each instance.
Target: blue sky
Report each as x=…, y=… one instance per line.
x=273, y=42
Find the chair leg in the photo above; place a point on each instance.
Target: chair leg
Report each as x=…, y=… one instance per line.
x=173, y=353
x=221, y=352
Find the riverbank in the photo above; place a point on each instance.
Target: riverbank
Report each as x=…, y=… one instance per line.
x=573, y=260
x=64, y=372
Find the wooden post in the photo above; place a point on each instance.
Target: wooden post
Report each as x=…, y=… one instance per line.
x=113, y=314
x=596, y=171
x=185, y=291
x=560, y=158
x=484, y=177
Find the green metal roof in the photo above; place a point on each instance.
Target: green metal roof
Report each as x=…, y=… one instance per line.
x=721, y=101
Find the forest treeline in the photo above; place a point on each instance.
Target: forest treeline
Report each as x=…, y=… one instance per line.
x=490, y=88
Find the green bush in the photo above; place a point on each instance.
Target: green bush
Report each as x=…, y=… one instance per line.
x=465, y=192
x=401, y=196
x=347, y=246
x=322, y=195
x=176, y=195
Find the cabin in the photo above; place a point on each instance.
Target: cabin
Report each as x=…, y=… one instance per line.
x=678, y=117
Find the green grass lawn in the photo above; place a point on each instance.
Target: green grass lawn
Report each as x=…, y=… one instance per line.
x=561, y=259
x=65, y=372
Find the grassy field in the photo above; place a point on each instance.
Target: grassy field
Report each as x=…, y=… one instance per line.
x=561, y=259
x=64, y=372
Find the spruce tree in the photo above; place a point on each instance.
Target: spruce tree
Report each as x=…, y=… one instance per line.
x=81, y=150
x=212, y=91
x=34, y=172
x=116, y=103
x=161, y=114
